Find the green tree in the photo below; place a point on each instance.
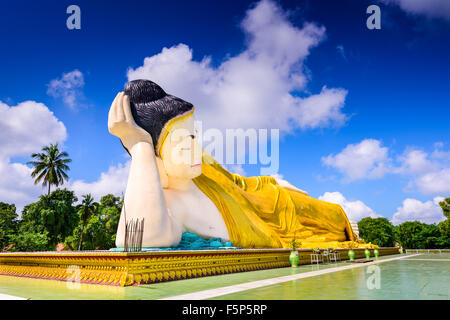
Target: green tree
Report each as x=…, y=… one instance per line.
x=405, y=233
x=29, y=241
x=445, y=205
x=418, y=235
x=87, y=209
x=94, y=235
x=444, y=229
x=429, y=237
x=379, y=231
x=444, y=226
x=100, y=230
x=110, y=209
x=54, y=214
x=50, y=166
x=8, y=223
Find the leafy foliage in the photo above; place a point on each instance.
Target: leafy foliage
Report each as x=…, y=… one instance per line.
x=295, y=243
x=87, y=209
x=417, y=235
x=100, y=228
x=8, y=223
x=55, y=217
x=445, y=205
x=29, y=241
x=410, y=234
x=54, y=214
x=378, y=231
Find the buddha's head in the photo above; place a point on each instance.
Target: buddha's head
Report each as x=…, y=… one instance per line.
x=170, y=122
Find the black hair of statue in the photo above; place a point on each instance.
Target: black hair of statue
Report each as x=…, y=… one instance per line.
x=152, y=108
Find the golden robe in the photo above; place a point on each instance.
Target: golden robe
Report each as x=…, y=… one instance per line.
x=259, y=213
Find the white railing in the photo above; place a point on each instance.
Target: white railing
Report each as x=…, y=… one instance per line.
x=427, y=251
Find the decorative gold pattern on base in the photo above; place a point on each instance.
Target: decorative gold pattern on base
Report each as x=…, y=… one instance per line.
x=125, y=269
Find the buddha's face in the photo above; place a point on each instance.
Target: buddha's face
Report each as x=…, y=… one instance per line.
x=180, y=152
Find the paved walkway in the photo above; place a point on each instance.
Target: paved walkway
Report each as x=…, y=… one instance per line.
x=448, y=260
x=207, y=294
x=8, y=297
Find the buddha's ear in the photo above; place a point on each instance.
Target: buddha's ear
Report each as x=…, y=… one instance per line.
x=162, y=173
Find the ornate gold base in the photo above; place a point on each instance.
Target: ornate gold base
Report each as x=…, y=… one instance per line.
x=134, y=268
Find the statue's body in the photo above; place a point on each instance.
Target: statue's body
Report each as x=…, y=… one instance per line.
x=177, y=188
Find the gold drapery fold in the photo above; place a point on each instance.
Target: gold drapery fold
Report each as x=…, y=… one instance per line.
x=259, y=213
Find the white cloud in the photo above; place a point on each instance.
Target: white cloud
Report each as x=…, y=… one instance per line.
x=367, y=159
x=415, y=210
x=322, y=110
x=355, y=210
x=256, y=88
x=113, y=181
x=25, y=128
x=435, y=182
x=280, y=180
x=429, y=8
x=430, y=172
x=415, y=161
x=68, y=88
x=16, y=185
x=439, y=154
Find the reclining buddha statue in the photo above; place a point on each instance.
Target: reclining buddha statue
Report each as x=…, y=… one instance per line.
x=176, y=194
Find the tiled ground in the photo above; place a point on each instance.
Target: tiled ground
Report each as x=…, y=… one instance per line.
x=411, y=278
x=408, y=278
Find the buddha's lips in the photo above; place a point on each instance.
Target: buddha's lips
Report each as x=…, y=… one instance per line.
x=196, y=165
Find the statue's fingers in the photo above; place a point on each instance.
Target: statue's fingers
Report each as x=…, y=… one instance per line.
x=119, y=108
x=112, y=110
x=127, y=108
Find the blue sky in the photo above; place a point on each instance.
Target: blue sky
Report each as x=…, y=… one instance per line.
x=379, y=147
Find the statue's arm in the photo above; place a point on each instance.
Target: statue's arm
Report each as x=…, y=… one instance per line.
x=144, y=196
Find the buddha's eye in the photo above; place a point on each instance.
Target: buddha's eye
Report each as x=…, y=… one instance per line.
x=192, y=136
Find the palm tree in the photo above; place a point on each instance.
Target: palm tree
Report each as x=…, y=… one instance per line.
x=50, y=166
x=87, y=208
